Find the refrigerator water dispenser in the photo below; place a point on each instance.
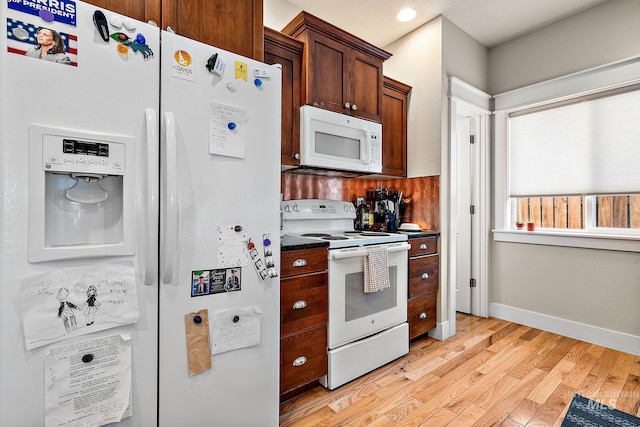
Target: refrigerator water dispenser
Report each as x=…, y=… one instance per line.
x=81, y=194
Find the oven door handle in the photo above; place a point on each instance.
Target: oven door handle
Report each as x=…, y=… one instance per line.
x=362, y=251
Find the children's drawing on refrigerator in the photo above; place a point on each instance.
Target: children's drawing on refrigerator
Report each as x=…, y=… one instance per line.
x=103, y=295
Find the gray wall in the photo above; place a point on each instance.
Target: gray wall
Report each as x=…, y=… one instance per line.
x=594, y=287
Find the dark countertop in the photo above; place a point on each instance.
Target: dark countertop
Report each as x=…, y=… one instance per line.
x=420, y=233
x=292, y=243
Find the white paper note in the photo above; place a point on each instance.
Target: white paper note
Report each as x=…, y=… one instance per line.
x=88, y=383
x=227, y=130
x=76, y=301
x=234, y=329
x=232, y=249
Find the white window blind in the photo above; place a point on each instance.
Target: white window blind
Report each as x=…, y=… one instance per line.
x=587, y=146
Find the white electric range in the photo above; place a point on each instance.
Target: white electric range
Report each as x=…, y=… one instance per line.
x=365, y=329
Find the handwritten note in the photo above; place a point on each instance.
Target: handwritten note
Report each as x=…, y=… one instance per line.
x=232, y=249
x=227, y=130
x=234, y=329
x=88, y=383
x=66, y=303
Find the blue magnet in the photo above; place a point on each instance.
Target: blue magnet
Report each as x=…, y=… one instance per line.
x=140, y=39
x=45, y=15
x=231, y=125
x=257, y=82
x=197, y=319
x=267, y=242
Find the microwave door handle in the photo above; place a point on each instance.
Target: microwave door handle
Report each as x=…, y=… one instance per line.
x=366, y=148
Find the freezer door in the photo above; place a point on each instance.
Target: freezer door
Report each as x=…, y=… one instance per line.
x=220, y=186
x=96, y=87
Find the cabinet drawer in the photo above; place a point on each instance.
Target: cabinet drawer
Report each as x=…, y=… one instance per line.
x=303, y=261
x=303, y=302
x=303, y=358
x=424, y=275
x=423, y=246
x=421, y=314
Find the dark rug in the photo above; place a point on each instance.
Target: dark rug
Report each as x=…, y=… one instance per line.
x=585, y=412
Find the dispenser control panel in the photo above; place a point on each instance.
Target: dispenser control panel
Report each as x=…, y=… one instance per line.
x=62, y=154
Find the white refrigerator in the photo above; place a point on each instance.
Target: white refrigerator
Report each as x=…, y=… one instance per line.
x=140, y=224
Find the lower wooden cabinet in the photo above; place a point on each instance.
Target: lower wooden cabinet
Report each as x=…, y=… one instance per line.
x=304, y=312
x=424, y=281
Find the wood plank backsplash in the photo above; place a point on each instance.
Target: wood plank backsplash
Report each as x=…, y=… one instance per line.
x=422, y=195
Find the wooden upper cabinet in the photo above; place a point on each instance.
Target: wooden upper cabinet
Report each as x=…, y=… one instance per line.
x=231, y=25
x=142, y=10
x=394, y=127
x=341, y=72
x=287, y=51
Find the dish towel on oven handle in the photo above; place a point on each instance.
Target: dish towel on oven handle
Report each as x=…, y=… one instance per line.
x=376, y=269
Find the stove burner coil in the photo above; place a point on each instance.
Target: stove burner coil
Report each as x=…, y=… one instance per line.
x=316, y=235
x=335, y=238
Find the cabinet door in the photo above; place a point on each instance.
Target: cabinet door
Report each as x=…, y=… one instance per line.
x=394, y=128
x=327, y=73
x=142, y=10
x=365, y=81
x=287, y=51
x=231, y=25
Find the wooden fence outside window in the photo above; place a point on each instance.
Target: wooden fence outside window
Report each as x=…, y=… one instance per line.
x=569, y=212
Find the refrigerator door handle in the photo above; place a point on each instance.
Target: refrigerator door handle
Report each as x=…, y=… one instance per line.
x=170, y=229
x=151, y=206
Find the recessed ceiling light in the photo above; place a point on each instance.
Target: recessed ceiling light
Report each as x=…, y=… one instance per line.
x=406, y=15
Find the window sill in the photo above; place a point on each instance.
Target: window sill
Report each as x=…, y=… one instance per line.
x=566, y=238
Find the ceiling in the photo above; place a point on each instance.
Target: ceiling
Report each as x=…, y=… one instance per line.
x=490, y=22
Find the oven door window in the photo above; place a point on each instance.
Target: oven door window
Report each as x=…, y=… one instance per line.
x=359, y=304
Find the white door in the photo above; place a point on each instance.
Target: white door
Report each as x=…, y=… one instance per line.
x=103, y=90
x=464, y=216
x=220, y=186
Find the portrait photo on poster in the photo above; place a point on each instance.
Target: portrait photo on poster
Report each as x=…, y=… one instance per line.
x=41, y=42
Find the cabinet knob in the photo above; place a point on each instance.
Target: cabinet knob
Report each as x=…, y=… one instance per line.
x=347, y=105
x=299, y=305
x=300, y=361
x=423, y=246
x=152, y=22
x=425, y=276
x=300, y=262
x=296, y=156
x=353, y=107
x=423, y=315
x=171, y=30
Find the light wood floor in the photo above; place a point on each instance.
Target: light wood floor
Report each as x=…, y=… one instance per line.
x=491, y=373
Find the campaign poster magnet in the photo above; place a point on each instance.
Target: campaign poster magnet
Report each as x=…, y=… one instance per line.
x=41, y=42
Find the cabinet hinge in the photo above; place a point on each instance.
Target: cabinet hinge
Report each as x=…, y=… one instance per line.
x=472, y=209
x=472, y=283
x=472, y=139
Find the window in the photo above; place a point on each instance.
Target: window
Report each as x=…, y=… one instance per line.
x=567, y=157
x=588, y=145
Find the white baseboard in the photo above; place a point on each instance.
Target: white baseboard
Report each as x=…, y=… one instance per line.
x=580, y=331
x=441, y=331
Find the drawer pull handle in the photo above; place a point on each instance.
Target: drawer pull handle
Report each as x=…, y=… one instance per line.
x=300, y=262
x=423, y=246
x=423, y=315
x=299, y=305
x=300, y=361
x=425, y=276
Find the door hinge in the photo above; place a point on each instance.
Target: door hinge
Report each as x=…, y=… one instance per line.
x=472, y=139
x=472, y=283
x=472, y=209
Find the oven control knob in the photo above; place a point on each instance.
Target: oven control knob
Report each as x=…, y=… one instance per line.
x=287, y=208
x=296, y=208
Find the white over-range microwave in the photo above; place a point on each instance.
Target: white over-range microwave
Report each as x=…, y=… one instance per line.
x=335, y=141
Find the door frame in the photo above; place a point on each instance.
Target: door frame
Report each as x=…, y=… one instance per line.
x=467, y=100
